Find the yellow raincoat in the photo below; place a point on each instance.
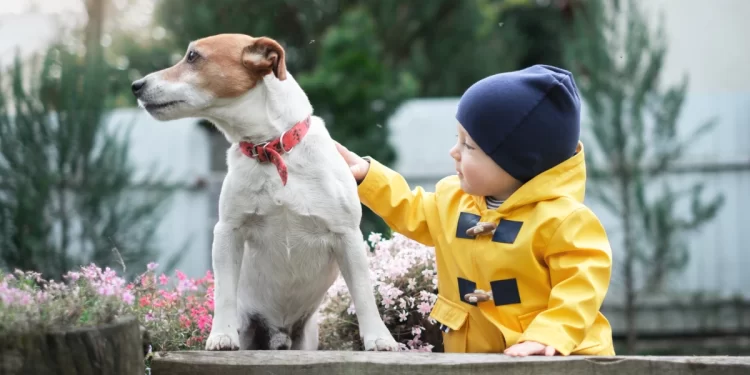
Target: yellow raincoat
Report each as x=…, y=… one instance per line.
x=548, y=263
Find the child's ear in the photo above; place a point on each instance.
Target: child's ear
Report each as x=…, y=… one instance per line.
x=265, y=56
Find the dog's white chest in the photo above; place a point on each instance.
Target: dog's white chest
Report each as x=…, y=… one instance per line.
x=288, y=254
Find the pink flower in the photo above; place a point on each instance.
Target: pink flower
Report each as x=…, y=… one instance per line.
x=128, y=297
x=208, y=278
x=197, y=312
x=424, y=295
x=402, y=316
x=402, y=272
x=210, y=300
x=194, y=340
x=106, y=290
x=180, y=275
x=374, y=238
x=412, y=284
x=186, y=284
x=12, y=296
x=424, y=308
x=416, y=330
x=42, y=296
x=25, y=299
x=185, y=321
x=152, y=266
x=204, y=323
x=169, y=297
x=163, y=279
x=144, y=301
x=402, y=303
x=146, y=281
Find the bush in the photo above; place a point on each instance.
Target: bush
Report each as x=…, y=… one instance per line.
x=403, y=275
x=29, y=303
x=173, y=318
x=176, y=311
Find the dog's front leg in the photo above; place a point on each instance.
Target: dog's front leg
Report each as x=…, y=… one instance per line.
x=226, y=256
x=352, y=261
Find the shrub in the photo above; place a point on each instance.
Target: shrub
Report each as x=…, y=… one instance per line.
x=176, y=311
x=403, y=275
x=173, y=318
x=92, y=296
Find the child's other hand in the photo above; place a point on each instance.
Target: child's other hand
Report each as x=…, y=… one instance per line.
x=530, y=348
x=358, y=166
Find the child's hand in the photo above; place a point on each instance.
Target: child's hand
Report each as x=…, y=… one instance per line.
x=358, y=166
x=530, y=348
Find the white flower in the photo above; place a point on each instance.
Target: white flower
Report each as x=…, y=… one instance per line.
x=402, y=316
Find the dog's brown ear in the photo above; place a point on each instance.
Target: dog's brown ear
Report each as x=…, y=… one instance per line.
x=265, y=56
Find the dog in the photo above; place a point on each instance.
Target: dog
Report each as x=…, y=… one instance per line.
x=289, y=212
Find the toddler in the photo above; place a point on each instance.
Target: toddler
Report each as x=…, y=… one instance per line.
x=523, y=265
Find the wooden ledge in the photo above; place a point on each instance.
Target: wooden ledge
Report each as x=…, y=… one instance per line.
x=335, y=362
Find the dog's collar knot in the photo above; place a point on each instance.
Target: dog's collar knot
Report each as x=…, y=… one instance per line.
x=272, y=150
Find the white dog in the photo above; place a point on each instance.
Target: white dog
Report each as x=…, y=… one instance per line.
x=289, y=212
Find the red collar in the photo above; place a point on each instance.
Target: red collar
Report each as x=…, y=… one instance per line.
x=272, y=150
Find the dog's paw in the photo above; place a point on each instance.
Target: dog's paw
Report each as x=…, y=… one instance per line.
x=223, y=341
x=381, y=343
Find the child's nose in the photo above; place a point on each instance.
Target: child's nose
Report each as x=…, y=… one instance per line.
x=453, y=152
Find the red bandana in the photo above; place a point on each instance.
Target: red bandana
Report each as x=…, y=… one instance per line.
x=272, y=150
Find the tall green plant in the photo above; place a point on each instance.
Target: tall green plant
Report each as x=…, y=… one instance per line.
x=355, y=92
x=635, y=124
x=68, y=191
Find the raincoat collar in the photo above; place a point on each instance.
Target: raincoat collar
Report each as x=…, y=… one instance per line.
x=567, y=179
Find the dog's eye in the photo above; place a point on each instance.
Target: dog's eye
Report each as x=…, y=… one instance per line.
x=191, y=56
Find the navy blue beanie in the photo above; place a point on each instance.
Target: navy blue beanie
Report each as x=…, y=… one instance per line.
x=527, y=120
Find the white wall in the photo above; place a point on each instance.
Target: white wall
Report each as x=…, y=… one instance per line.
x=181, y=150
x=707, y=40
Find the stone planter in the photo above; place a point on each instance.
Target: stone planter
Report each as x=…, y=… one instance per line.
x=112, y=349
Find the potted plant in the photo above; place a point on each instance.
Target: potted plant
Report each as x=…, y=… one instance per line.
x=83, y=324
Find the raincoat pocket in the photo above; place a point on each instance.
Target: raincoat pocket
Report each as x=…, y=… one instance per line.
x=453, y=319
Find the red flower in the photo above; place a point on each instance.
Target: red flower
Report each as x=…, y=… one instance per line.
x=185, y=321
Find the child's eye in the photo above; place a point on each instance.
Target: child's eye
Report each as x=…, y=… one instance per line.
x=468, y=146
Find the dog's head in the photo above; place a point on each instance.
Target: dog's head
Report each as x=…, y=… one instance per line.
x=213, y=71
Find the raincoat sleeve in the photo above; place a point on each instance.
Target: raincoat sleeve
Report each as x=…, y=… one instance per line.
x=388, y=195
x=579, y=258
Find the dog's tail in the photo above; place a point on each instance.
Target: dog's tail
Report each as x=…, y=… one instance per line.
x=280, y=341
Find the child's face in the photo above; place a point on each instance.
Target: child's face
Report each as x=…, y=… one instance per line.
x=478, y=173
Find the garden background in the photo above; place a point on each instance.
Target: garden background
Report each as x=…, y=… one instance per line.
x=88, y=178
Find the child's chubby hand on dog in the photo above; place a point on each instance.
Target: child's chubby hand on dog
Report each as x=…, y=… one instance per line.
x=358, y=165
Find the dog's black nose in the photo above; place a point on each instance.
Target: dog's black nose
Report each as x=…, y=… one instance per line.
x=138, y=86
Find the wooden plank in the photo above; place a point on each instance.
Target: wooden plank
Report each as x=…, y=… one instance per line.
x=401, y=363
